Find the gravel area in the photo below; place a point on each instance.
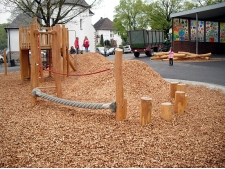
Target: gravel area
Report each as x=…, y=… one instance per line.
x=54, y=135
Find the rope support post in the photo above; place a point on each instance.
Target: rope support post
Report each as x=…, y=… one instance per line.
x=121, y=103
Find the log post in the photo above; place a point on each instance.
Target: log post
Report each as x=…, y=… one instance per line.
x=182, y=87
x=34, y=61
x=179, y=102
x=121, y=103
x=166, y=111
x=146, y=110
x=173, y=88
x=56, y=60
x=64, y=51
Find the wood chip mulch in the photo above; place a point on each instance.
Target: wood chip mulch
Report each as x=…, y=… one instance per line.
x=54, y=135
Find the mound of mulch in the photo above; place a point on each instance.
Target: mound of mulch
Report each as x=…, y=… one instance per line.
x=54, y=135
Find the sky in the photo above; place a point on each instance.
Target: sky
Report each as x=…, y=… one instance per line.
x=105, y=9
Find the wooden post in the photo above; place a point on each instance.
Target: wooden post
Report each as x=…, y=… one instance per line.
x=121, y=103
x=182, y=87
x=179, y=102
x=56, y=60
x=50, y=63
x=173, y=88
x=65, y=71
x=146, y=110
x=34, y=61
x=166, y=109
x=5, y=62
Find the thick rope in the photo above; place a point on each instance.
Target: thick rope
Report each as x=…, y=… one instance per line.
x=37, y=92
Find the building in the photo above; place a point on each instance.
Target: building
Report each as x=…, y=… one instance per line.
x=80, y=27
x=206, y=24
x=104, y=26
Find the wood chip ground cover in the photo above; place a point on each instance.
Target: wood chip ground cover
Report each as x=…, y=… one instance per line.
x=54, y=135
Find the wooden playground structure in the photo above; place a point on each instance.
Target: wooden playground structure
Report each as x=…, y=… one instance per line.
x=54, y=40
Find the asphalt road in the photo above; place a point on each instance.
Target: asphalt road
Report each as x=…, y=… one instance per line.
x=208, y=72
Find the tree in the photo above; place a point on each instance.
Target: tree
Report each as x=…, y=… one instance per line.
x=129, y=16
x=159, y=15
x=51, y=12
x=107, y=43
x=3, y=36
x=102, y=40
x=201, y=3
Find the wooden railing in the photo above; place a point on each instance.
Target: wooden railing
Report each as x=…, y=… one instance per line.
x=45, y=38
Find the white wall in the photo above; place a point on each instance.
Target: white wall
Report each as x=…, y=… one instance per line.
x=13, y=39
x=76, y=31
x=106, y=36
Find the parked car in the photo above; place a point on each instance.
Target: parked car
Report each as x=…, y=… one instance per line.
x=101, y=50
x=111, y=51
x=1, y=59
x=127, y=49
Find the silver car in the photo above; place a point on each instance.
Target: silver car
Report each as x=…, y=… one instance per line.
x=127, y=49
x=102, y=50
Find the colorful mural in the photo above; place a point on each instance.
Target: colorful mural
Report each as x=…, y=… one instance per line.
x=212, y=31
x=222, y=32
x=180, y=29
x=200, y=30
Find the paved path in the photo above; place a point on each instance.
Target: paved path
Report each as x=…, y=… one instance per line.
x=209, y=71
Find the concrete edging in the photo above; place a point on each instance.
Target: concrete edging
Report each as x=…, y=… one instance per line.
x=208, y=85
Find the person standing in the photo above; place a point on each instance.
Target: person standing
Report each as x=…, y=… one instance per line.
x=171, y=55
x=86, y=43
x=76, y=44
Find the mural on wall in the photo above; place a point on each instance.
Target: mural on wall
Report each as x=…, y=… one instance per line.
x=180, y=29
x=222, y=32
x=200, y=30
x=212, y=31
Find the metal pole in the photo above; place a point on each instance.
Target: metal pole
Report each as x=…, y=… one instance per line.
x=196, y=33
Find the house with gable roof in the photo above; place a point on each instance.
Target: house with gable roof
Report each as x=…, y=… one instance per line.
x=79, y=27
x=104, y=26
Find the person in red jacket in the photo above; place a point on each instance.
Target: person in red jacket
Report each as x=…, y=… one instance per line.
x=86, y=43
x=76, y=44
x=171, y=54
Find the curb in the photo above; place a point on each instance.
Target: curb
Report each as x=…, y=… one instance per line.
x=208, y=85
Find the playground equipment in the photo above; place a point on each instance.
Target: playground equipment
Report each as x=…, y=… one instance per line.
x=54, y=40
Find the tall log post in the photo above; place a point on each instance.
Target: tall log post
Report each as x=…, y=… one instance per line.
x=56, y=60
x=166, y=111
x=64, y=51
x=34, y=61
x=182, y=87
x=179, y=102
x=146, y=110
x=121, y=103
x=173, y=88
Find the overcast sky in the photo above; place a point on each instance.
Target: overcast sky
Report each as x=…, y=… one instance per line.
x=105, y=9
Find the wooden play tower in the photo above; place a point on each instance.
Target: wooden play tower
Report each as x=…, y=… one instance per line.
x=54, y=40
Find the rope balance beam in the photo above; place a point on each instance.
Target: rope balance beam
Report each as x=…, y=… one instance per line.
x=37, y=92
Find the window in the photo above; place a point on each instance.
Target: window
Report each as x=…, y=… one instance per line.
x=111, y=34
x=81, y=24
